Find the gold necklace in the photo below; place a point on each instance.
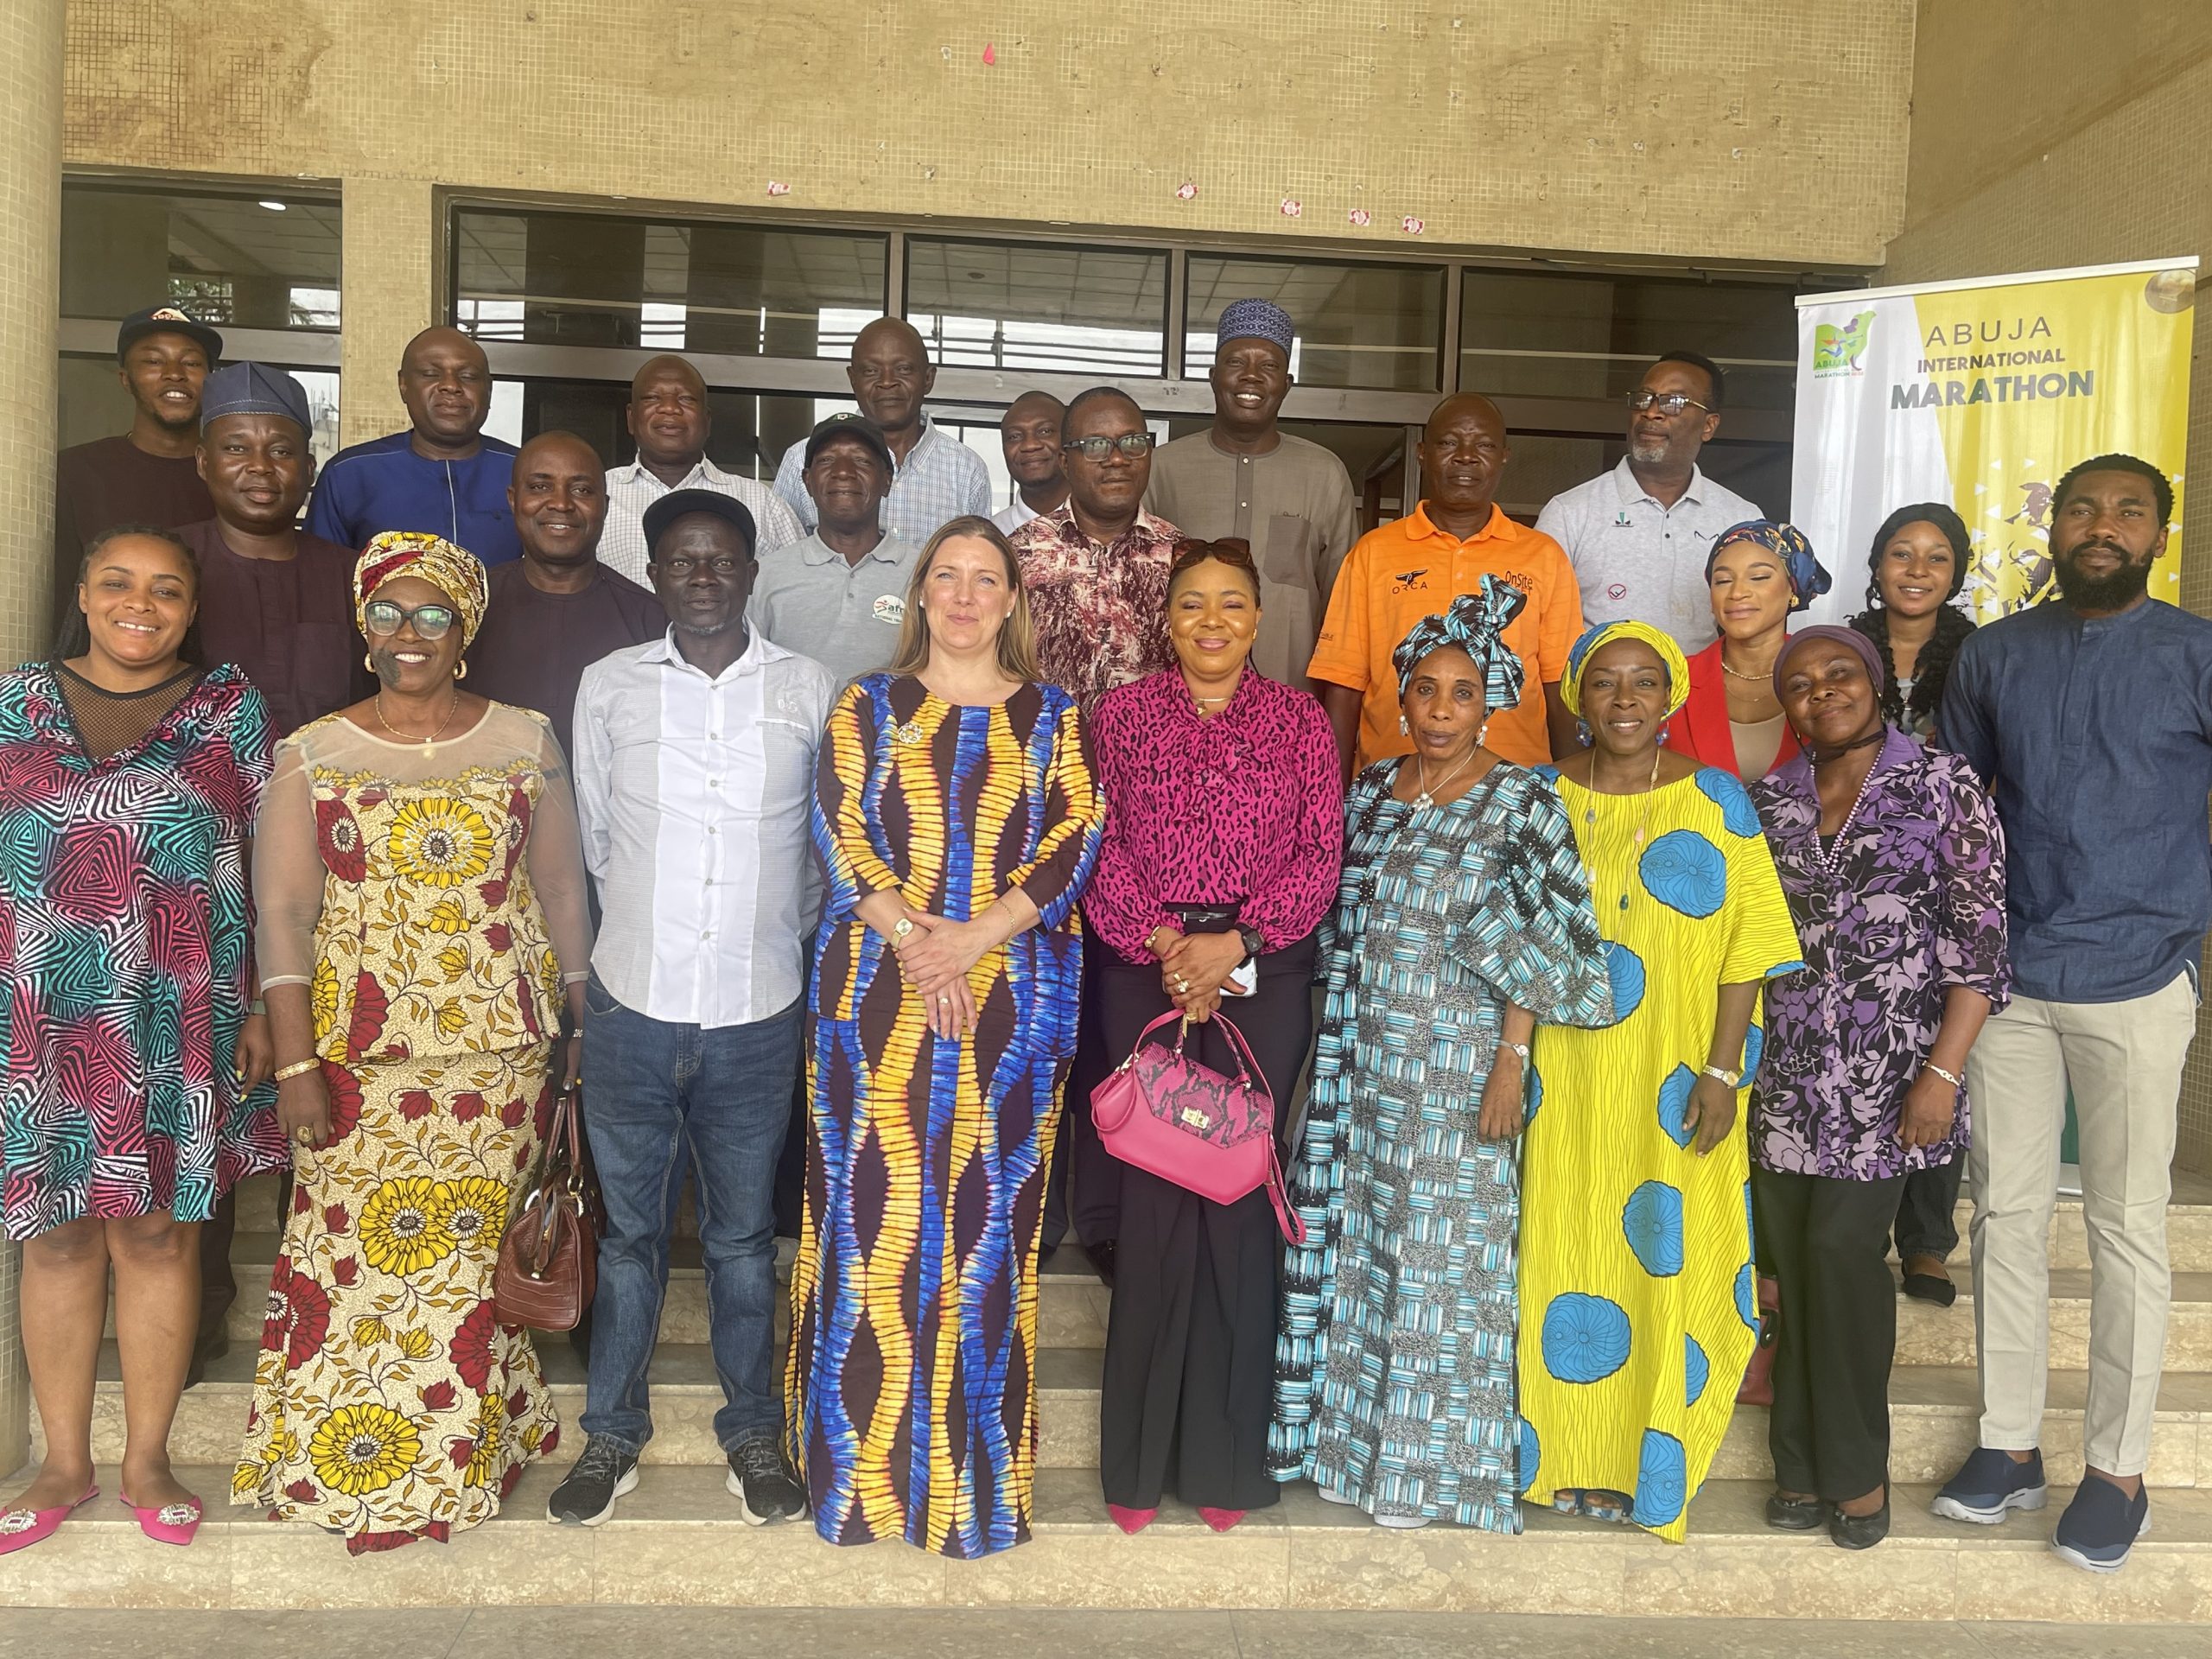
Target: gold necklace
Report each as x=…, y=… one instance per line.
x=1642, y=828
x=428, y=743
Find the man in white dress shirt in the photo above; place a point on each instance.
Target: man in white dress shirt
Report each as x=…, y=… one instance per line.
x=694, y=768
x=1637, y=537
x=1029, y=434
x=669, y=419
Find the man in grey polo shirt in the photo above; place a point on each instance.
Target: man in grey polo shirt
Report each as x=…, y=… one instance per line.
x=1637, y=537
x=840, y=595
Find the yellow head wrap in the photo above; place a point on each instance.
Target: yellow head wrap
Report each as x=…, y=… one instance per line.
x=454, y=571
x=1678, y=667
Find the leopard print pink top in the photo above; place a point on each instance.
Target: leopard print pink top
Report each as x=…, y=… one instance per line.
x=1247, y=805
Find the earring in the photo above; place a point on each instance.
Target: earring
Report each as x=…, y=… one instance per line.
x=1662, y=737
x=1481, y=737
x=369, y=662
x=1405, y=728
x=460, y=670
x=1582, y=733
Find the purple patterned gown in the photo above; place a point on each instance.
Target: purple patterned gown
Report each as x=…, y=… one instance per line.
x=1908, y=903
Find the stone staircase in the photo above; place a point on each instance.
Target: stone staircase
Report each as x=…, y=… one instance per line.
x=678, y=1540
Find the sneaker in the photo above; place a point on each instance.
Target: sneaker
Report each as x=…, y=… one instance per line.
x=763, y=1484
x=1988, y=1484
x=2102, y=1525
x=585, y=1497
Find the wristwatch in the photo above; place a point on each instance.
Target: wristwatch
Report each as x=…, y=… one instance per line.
x=1254, y=941
x=900, y=930
x=1733, y=1079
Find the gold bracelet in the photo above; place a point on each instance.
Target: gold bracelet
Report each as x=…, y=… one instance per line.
x=299, y=1070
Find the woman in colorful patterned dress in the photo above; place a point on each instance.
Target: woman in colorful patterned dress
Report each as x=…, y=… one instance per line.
x=1637, y=1307
x=134, y=1071
x=957, y=818
x=1224, y=833
x=1462, y=920
x=422, y=928
x=1894, y=866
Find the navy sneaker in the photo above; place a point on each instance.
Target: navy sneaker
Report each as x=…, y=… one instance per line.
x=1988, y=1484
x=2102, y=1525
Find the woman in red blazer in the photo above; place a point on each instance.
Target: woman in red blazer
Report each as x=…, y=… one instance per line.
x=1759, y=572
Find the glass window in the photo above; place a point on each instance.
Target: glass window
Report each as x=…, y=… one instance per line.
x=1556, y=334
x=251, y=262
x=584, y=279
x=1019, y=305
x=1368, y=327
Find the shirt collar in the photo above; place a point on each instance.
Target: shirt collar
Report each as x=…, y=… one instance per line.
x=1146, y=528
x=1633, y=492
x=760, y=652
x=703, y=475
x=888, y=550
x=1420, y=526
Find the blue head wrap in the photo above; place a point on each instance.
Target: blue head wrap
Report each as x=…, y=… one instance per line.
x=1808, y=578
x=1476, y=624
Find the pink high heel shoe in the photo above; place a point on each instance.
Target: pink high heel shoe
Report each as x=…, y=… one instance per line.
x=1130, y=1520
x=1221, y=1520
x=21, y=1529
x=172, y=1524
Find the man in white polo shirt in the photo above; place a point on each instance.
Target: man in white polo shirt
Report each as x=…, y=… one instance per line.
x=694, y=768
x=1637, y=537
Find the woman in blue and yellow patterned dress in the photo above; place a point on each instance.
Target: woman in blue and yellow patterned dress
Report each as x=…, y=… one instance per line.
x=956, y=815
x=422, y=922
x=1637, y=1305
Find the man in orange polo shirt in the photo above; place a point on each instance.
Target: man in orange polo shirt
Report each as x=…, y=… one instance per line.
x=1417, y=565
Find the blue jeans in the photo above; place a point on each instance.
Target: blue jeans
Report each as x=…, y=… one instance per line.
x=654, y=1092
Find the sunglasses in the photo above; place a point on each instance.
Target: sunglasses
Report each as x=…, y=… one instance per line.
x=386, y=619
x=1233, y=551
x=1131, y=444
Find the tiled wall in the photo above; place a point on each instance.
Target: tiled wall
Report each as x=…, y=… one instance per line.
x=30, y=207
x=2094, y=154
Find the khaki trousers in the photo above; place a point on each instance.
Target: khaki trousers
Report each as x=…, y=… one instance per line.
x=2124, y=1060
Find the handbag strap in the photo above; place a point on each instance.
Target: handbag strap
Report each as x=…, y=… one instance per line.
x=1287, y=1219
x=1247, y=1062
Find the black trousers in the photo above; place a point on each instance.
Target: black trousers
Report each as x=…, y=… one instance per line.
x=1191, y=1339
x=1828, y=1242
x=1927, y=1215
x=1082, y=1194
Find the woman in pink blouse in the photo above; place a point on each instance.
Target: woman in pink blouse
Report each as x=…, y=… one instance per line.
x=1224, y=829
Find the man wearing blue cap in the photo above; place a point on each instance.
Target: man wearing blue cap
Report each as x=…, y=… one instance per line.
x=1245, y=479
x=277, y=602
x=145, y=476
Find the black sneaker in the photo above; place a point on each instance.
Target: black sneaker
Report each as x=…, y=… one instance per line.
x=763, y=1484
x=587, y=1496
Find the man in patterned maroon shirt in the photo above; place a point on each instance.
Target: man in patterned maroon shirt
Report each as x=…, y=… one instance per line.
x=1096, y=567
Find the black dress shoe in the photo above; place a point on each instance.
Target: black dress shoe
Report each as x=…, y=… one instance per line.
x=1931, y=1287
x=1102, y=1259
x=1860, y=1531
x=1794, y=1514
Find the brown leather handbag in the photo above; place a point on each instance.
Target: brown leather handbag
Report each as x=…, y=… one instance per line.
x=548, y=1259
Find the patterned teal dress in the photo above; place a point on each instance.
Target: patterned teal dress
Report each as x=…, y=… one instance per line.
x=1394, y=1370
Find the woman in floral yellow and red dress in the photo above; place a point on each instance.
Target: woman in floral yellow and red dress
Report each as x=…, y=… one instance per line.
x=422, y=926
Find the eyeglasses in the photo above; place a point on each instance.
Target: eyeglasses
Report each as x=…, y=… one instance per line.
x=386, y=619
x=1668, y=404
x=1131, y=444
x=682, y=564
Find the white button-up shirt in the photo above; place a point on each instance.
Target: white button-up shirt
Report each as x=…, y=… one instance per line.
x=1638, y=561
x=631, y=489
x=696, y=796
x=941, y=480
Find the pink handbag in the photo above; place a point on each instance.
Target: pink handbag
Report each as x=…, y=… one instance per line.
x=1186, y=1123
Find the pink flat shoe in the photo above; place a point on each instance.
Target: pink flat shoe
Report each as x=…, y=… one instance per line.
x=1221, y=1520
x=21, y=1529
x=172, y=1524
x=1132, y=1521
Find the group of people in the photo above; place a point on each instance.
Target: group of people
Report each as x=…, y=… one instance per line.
x=1661, y=948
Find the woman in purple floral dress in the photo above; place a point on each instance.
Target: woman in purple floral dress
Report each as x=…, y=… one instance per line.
x=1894, y=867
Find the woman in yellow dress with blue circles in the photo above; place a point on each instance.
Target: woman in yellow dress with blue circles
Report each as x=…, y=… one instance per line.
x=1638, y=1307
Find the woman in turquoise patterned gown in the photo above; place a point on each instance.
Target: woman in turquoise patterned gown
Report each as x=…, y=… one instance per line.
x=1462, y=918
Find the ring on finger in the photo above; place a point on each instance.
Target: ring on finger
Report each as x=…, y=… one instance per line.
x=304, y=1135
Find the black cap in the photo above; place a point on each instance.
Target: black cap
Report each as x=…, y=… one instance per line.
x=676, y=503
x=849, y=425
x=167, y=319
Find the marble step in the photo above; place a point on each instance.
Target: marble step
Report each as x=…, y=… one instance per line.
x=678, y=1540
x=1934, y=1412
x=2188, y=1226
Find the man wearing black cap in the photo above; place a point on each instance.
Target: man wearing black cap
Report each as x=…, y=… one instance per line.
x=556, y=610
x=840, y=595
x=148, y=475
x=694, y=766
